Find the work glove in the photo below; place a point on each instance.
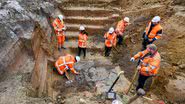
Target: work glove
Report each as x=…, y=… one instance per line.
x=138, y=67
x=153, y=40
x=132, y=59
x=64, y=28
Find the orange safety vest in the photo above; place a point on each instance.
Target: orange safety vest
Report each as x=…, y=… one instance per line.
x=153, y=33
x=82, y=40
x=58, y=26
x=120, y=28
x=110, y=39
x=64, y=63
x=149, y=65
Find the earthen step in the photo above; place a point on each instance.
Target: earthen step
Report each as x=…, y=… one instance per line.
x=85, y=11
x=88, y=1
x=89, y=28
x=91, y=44
x=71, y=35
x=89, y=20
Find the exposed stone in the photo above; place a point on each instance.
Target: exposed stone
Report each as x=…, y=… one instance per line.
x=17, y=24
x=84, y=66
x=88, y=94
x=82, y=101
x=176, y=89
x=182, y=66
x=102, y=76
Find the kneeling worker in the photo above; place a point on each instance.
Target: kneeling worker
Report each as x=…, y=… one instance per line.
x=65, y=63
x=149, y=64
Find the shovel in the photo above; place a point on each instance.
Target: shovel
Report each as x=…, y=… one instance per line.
x=111, y=95
x=69, y=81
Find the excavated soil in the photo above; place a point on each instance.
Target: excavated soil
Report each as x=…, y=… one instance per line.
x=171, y=48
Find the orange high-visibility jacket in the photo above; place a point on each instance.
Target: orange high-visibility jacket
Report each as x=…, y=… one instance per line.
x=120, y=28
x=110, y=39
x=58, y=26
x=150, y=64
x=82, y=40
x=153, y=33
x=65, y=63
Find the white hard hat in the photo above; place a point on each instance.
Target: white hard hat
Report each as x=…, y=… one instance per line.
x=116, y=102
x=111, y=30
x=82, y=28
x=77, y=58
x=61, y=17
x=156, y=19
x=126, y=19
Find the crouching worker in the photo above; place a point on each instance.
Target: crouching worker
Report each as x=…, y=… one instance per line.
x=65, y=63
x=149, y=64
x=110, y=41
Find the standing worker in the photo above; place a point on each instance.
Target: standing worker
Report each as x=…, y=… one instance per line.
x=152, y=32
x=65, y=63
x=110, y=41
x=120, y=28
x=59, y=28
x=82, y=41
x=149, y=64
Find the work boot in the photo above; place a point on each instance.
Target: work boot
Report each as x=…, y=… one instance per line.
x=141, y=92
x=63, y=47
x=59, y=49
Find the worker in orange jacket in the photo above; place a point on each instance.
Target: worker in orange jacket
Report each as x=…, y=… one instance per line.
x=65, y=63
x=82, y=41
x=120, y=28
x=59, y=28
x=110, y=41
x=149, y=64
x=152, y=32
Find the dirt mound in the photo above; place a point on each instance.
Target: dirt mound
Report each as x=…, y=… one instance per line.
x=179, y=2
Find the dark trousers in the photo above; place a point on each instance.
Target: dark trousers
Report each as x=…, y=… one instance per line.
x=107, y=51
x=120, y=39
x=145, y=43
x=141, y=81
x=79, y=51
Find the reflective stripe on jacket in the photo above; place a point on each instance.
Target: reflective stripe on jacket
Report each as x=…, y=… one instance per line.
x=58, y=26
x=110, y=39
x=120, y=28
x=153, y=33
x=64, y=63
x=149, y=64
x=82, y=40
